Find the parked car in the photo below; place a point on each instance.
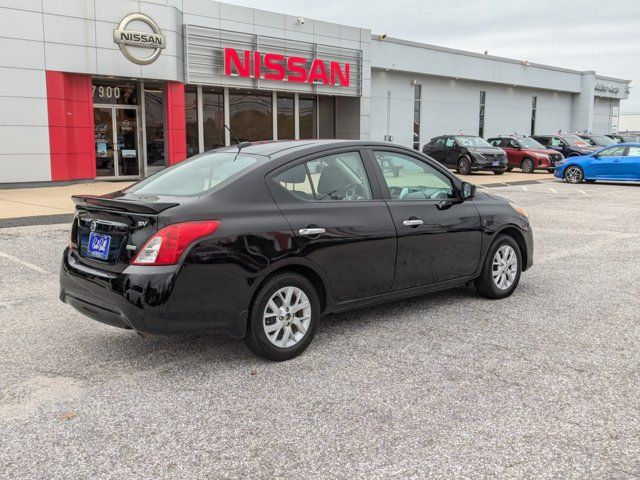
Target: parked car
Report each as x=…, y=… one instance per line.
x=624, y=137
x=526, y=153
x=617, y=162
x=251, y=244
x=466, y=153
x=568, y=145
x=596, y=140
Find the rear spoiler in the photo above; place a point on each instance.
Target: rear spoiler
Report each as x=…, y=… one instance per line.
x=152, y=208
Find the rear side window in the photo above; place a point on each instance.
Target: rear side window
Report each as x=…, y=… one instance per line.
x=338, y=177
x=197, y=175
x=633, y=152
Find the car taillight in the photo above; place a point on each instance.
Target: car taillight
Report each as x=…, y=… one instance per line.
x=166, y=246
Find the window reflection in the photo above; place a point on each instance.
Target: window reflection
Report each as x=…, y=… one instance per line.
x=251, y=116
x=213, y=113
x=286, y=124
x=191, y=108
x=308, y=117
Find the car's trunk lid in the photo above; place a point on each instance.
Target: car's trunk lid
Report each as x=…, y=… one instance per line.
x=108, y=231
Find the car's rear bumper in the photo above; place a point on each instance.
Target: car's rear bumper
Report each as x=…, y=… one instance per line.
x=146, y=299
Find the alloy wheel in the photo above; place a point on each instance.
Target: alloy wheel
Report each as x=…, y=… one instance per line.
x=286, y=317
x=573, y=175
x=505, y=267
x=527, y=166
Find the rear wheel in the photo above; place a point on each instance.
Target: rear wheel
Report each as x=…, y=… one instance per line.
x=527, y=165
x=283, y=317
x=501, y=269
x=464, y=166
x=574, y=174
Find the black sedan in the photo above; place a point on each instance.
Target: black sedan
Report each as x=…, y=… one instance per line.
x=467, y=153
x=261, y=242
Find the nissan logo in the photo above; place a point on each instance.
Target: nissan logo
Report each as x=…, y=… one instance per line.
x=133, y=38
x=93, y=226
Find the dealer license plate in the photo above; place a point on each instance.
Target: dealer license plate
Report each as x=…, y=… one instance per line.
x=99, y=245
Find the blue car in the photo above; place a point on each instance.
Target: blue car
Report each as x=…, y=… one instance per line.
x=617, y=162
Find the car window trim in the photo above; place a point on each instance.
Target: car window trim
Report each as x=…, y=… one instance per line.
x=455, y=183
x=376, y=192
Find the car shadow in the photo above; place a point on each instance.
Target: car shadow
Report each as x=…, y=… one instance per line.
x=133, y=353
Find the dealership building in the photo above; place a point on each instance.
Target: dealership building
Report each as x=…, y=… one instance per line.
x=119, y=89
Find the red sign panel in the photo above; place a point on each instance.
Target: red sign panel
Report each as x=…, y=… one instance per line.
x=275, y=66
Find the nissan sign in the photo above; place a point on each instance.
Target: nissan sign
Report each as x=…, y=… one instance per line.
x=153, y=40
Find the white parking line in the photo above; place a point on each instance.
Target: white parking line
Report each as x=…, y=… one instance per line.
x=525, y=188
x=582, y=192
x=552, y=190
x=22, y=262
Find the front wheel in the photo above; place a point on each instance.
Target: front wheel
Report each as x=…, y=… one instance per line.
x=283, y=317
x=527, y=166
x=499, y=172
x=574, y=174
x=501, y=269
x=464, y=166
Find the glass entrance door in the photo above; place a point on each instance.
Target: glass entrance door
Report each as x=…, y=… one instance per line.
x=116, y=141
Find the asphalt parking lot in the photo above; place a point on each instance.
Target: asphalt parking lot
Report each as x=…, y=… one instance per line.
x=544, y=384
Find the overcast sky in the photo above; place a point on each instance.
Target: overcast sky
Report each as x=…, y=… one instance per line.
x=583, y=35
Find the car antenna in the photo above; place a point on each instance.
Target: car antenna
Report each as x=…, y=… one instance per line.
x=240, y=144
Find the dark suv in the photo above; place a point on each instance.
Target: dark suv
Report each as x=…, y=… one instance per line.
x=526, y=154
x=569, y=145
x=597, y=140
x=466, y=153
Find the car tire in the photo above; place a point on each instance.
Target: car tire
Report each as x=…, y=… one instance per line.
x=527, y=166
x=509, y=169
x=464, y=166
x=574, y=174
x=551, y=170
x=499, y=277
x=499, y=172
x=263, y=340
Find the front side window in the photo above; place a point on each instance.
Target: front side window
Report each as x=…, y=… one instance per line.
x=511, y=143
x=411, y=179
x=197, y=175
x=449, y=142
x=338, y=177
x=633, y=152
x=612, y=152
x=556, y=142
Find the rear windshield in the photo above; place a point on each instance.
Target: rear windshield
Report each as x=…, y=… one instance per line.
x=196, y=175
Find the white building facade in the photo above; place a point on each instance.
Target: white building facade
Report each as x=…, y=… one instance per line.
x=104, y=89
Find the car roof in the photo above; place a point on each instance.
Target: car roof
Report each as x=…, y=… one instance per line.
x=277, y=148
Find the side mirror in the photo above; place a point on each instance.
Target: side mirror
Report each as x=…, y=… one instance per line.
x=468, y=190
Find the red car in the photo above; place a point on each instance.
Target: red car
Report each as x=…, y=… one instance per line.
x=527, y=154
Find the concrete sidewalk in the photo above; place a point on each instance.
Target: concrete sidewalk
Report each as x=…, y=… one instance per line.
x=19, y=203
x=45, y=201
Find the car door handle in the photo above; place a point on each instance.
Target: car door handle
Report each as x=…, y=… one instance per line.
x=412, y=222
x=311, y=231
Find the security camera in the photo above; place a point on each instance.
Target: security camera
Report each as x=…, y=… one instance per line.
x=301, y=20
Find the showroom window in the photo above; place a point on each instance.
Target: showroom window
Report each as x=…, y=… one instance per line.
x=308, y=117
x=213, y=118
x=191, y=108
x=483, y=97
x=154, y=116
x=250, y=115
x=286, y=117
x=417, y=97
